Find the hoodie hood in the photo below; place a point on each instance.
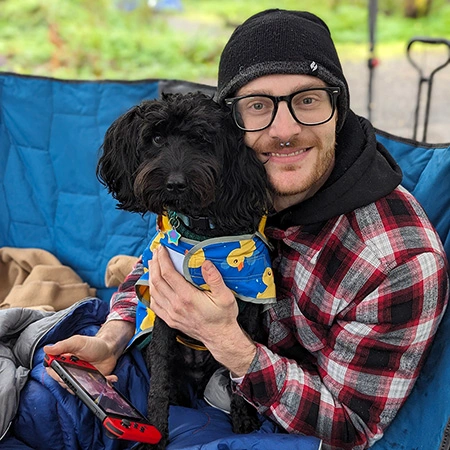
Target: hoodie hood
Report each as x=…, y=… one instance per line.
x=364, y=172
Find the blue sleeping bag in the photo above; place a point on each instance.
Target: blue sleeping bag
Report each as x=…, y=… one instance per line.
x=49, y=418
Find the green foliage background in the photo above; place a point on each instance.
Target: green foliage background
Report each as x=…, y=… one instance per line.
x=126, y=39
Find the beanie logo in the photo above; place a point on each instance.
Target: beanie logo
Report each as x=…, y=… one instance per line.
x=313, y=66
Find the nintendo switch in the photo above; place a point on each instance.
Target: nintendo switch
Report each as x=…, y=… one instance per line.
x=120, y=418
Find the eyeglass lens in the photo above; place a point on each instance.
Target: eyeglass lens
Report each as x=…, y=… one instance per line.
x=308, y=107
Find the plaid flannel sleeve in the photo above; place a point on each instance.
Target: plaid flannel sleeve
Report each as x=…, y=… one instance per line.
x=353, y=386
x=123, y=301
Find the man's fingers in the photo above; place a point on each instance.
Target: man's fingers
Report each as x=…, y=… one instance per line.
x=164, y=278
x=70, y=345
x=55, y=376
x=112, y=378
x=165, y=268
x=67, y=346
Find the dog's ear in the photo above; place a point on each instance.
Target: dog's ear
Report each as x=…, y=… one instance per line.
x=246, y=188
x=120, y=159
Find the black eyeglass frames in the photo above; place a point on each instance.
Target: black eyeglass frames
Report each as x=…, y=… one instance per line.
x=312, y=106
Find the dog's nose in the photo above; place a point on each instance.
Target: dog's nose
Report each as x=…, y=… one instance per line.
x=176, y=183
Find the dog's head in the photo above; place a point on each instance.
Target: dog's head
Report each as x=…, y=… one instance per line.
x=184, y=153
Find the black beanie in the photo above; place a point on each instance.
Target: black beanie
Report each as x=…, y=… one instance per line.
x=277, y=41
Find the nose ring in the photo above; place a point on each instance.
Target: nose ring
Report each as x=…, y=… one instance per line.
x=285, y=144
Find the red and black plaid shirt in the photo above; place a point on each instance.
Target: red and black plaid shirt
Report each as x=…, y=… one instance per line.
x=358, y=305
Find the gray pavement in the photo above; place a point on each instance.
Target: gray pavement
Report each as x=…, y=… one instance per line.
x=395, y=89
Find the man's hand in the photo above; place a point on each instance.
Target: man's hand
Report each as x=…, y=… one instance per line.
x=210, y=317
x=102, y=350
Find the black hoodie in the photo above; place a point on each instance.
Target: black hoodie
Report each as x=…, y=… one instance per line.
x=364, y=172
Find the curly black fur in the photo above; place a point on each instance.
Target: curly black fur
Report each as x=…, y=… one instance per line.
x=183, y=153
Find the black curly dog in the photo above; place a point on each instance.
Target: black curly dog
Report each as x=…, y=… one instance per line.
x=184, y=154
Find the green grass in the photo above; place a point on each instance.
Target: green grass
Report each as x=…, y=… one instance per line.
x=96, y=39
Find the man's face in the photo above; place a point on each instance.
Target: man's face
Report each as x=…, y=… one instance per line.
x=295, y=172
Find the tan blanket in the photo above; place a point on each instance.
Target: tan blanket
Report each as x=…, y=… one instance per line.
x=32, y=277
x=118, y=268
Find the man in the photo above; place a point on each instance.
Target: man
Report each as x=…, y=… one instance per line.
x=361, y=275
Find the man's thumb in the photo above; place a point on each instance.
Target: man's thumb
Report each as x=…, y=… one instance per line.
x=69, y=345
x=213, y=277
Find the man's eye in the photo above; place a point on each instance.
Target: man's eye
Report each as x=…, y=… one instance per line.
x=158, y=140
x=258, y=106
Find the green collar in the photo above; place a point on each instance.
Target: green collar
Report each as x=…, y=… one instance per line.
x=178, y=222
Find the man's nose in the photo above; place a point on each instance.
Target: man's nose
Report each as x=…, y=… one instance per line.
x=284, y=126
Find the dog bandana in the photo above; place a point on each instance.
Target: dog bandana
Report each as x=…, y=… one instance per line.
x=243, y=262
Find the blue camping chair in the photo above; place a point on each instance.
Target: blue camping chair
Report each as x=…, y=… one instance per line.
x=50, y=134
x=424, y=421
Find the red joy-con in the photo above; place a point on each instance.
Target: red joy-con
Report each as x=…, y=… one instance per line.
x=133, y=431
x=116, y=427
x=74, y=360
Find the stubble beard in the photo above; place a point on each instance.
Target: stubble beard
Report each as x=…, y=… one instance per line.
x=312, y=181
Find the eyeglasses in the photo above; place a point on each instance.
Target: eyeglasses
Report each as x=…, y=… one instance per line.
x=310, y=107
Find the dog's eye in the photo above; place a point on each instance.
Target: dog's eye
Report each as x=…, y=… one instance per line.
x=158, y=140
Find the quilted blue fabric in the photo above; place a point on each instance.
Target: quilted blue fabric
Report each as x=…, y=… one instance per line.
x=426, y=174
x=50, y=198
